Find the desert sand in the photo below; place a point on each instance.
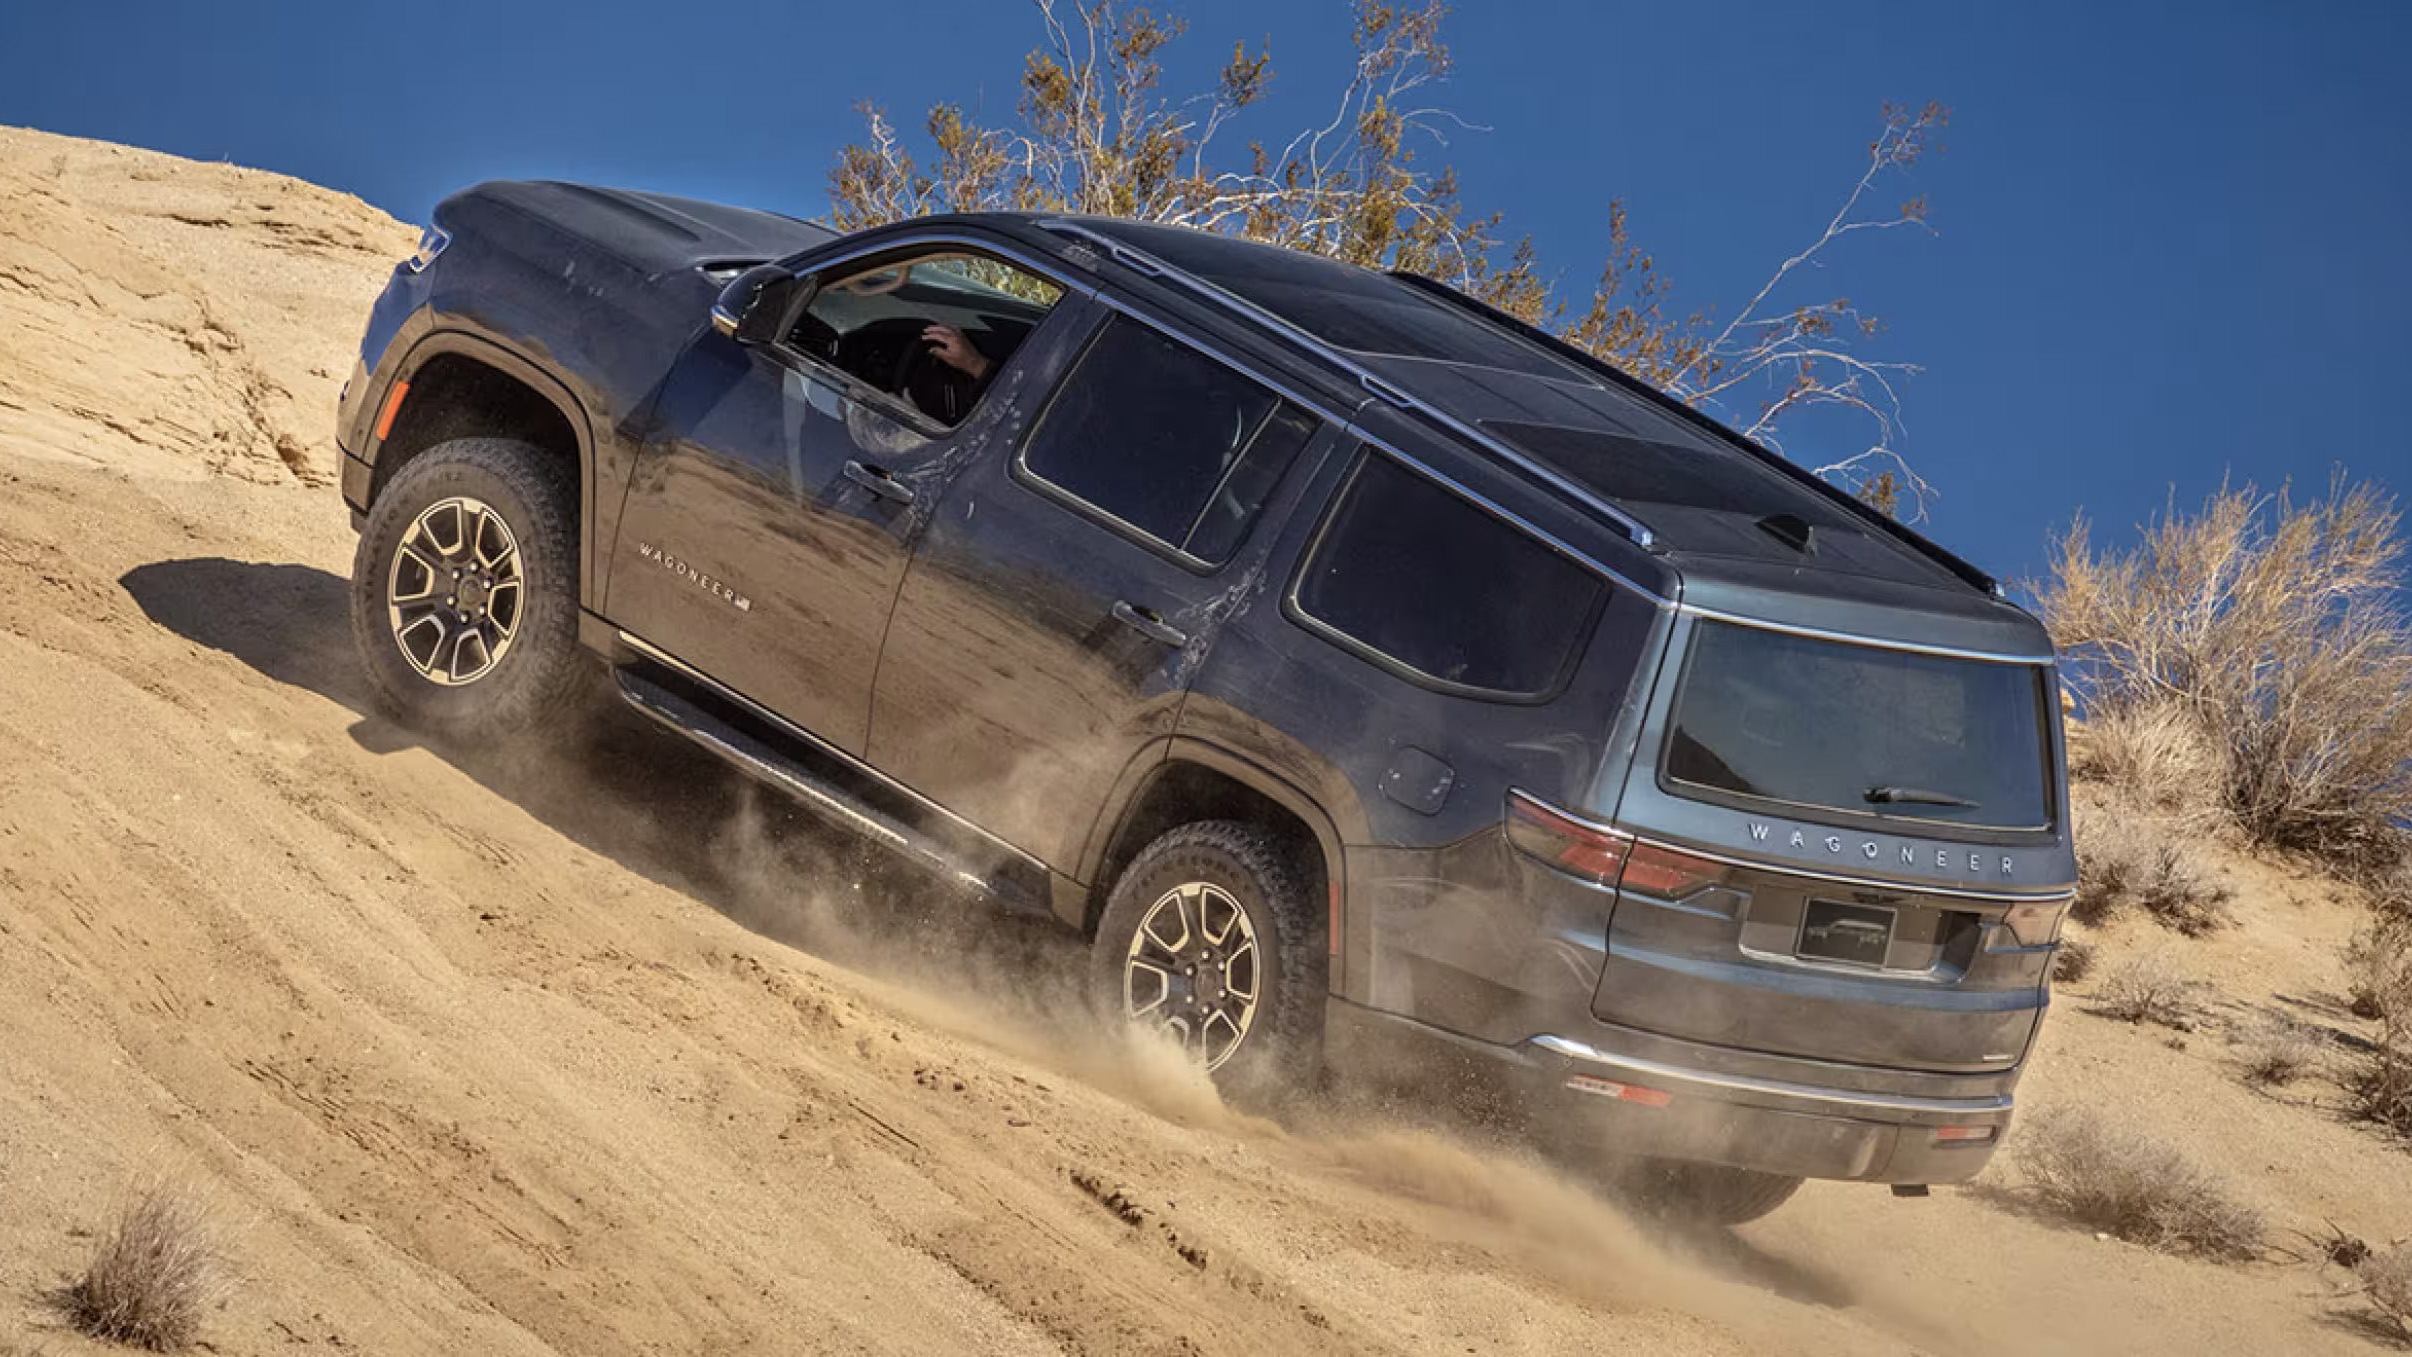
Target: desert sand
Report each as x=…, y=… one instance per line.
x=592, y=1050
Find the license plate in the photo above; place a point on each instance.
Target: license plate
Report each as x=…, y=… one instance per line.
x=1858, y=935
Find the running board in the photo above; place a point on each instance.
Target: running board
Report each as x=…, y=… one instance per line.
x=815, y=791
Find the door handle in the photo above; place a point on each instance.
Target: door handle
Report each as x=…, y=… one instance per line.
x=1148, y=623
x=879, y=482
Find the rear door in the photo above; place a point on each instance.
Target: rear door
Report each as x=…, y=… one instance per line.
x=779, y=489
x=1852, y=852
x=1071, y=584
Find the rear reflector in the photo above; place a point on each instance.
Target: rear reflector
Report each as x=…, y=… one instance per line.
x=393, y=407
x=1669, y=874
x=1627, y=1093
x=1964, y=1135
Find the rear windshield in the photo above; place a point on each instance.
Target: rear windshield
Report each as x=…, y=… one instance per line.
x=1829, y=726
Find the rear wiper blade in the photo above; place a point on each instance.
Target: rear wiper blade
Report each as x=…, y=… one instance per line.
x=1915, y=796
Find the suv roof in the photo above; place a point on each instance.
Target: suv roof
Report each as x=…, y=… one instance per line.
x=1671, y=478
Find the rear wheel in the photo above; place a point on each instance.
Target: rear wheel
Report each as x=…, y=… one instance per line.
x=1212, y=938
x=465, y=590
x=1709, y=1194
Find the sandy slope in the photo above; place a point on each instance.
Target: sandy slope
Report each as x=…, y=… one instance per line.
x=480, y=1055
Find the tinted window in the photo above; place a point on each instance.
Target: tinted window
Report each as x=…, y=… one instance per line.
x=1415, y=573
x=1342, y=304
x=1166, y=439
x=1855, y=728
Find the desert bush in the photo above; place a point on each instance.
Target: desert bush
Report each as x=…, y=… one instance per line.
x=2139, y=860
x=2154, y=754
x=2148, y=988
x=2279, y=631
x=2073, y=962
x=153, y=1276
x=2277, y=1052
x=2378, y=967
x=2385, y=1280
x=2115, y=1179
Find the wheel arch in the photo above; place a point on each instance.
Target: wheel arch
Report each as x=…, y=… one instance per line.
x=1194, y=781
x=461, y=385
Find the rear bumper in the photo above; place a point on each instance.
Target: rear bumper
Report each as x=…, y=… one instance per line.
x=1599, y=1094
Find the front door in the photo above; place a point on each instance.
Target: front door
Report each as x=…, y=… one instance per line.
x=1066, y=593
x=780, y=488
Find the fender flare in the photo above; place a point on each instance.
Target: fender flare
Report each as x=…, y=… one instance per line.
x=527, y=372
x=1132, y=786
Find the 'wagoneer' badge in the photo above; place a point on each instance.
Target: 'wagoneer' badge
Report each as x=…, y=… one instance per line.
x=694, y=576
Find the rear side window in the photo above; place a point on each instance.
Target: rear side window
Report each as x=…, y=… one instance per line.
x=1423, y=580
x=1166, y=440
x=1827, y=725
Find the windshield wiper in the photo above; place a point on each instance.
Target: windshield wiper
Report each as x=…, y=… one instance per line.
x=1915, y=796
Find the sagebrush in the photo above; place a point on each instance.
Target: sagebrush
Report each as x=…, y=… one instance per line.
x=2385, y=1280
x=2276, y=1052
x=153, y=1276
x=2150, y=988
x=2115, y=1179
x=2274, y=634
x=2135, y=859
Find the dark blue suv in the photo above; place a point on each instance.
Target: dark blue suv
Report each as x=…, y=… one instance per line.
x=1387, y=688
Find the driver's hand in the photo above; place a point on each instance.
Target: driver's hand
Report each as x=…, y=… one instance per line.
x=956, y=352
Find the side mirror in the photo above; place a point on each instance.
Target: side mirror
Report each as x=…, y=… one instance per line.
x=752, y=305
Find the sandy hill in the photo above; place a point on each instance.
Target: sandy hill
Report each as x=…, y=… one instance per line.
x=477, y=1056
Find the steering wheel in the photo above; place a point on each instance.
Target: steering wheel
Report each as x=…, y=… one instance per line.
x=931, y=386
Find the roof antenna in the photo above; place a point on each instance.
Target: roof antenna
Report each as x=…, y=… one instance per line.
x=1790, y=529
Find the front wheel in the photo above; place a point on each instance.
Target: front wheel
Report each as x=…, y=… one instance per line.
x=465, y=590
x=1212, y=937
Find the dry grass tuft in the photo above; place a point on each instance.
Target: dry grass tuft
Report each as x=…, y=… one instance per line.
x=2277, y=1052
x=2132, y=859
x=2117, y=1180
x=2149, y=988
x=154, y=1275
x=2073, y=962
x=2378, y=967
x=2276, y=632
x=2385, y=1280
x=2154, y=755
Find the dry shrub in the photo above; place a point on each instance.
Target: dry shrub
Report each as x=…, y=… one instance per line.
x=2124, y=860
x=2378, y=967
x=2278, y=630
x=2153, y=754
x=2117, y=1180
x=2277, y=1052
x=2073, y=961
x=2385, y=1280
x=2148, y=988
x=155, y=1273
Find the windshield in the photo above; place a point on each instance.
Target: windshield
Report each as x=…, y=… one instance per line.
x=1828, y=726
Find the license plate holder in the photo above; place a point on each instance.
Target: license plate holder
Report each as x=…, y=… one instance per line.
x=1846, y=932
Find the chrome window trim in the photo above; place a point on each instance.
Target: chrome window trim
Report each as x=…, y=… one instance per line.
x=1655, y=1071
x=1147, y=264
x=786, y=727
x=1874, y=642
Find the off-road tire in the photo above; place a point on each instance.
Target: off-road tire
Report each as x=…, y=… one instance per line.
x=1707, y=1194
x=543, y=674
x=1283, y=1047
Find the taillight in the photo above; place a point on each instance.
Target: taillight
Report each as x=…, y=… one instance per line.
x=1564, y=842
x=1669, y=874
x=2036, y=924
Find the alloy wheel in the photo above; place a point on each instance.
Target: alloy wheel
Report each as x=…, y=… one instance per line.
x=1192, y=970
x=455, y=593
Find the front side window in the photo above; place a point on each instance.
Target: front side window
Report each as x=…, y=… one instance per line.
x=1422, y=579
x=930, y=328
x=1166, y=440
x=1827, y=725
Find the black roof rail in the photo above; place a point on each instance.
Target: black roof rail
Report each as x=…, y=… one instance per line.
x=1900, y=531
x=1141, y=262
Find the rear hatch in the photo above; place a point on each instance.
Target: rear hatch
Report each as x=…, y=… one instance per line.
x=1844, y=851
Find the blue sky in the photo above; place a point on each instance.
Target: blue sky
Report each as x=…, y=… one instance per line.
x=2174, y=239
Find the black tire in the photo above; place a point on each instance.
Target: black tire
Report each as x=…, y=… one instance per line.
x=1708, y=1194
x=1282, y=1046
x=541, y=673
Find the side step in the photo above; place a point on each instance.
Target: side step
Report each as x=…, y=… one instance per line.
x=814, y=790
